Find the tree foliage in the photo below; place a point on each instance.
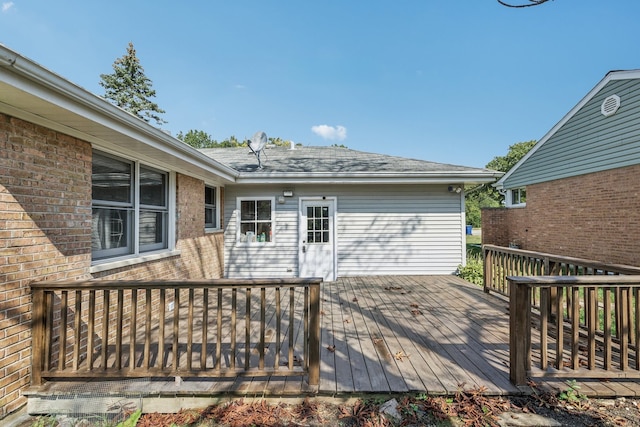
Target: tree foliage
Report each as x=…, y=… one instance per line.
x=485, y=195
x=197, y=139
x=201, y=139
x=129, y=88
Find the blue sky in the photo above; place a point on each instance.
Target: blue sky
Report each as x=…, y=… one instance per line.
x=448, y=81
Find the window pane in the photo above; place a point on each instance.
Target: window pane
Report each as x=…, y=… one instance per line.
x=248, y=210
x=309, y=237
x=309, y=212
x=264, y=210
x=318, y=212
x=209, y=218
x=153, y=188
x=109, y=229
x=152, y=229
x=264, y=232
x=248, y=227
x=111, y=179
x=325, y=212
x=325, y=237
x=210, y=196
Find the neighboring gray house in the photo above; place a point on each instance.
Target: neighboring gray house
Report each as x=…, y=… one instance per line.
x=331, y=211
x=576, y=192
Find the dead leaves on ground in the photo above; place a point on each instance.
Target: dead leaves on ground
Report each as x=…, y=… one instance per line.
x=240, y=413
x=400, y=355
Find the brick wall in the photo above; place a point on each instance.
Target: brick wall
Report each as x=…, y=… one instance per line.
x=594, y=216
x=45, y=234
x=45, y=219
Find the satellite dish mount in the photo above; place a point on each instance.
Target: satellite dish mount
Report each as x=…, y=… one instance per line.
x=256, y=145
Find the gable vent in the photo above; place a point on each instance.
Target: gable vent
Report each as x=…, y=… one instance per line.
x=610, y=105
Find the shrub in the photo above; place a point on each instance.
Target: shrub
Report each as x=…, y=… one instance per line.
x=473, y=271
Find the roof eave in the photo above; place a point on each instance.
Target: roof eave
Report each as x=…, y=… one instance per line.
x=46, y=88
x=372, y=178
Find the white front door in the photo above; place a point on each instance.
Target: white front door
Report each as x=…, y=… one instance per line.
x=317, y=239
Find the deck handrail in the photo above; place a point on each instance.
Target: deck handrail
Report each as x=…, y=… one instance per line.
x=601, y=323
x=500, y=262
x=176, y=328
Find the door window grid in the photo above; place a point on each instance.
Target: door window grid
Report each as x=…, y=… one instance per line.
x=318, y=224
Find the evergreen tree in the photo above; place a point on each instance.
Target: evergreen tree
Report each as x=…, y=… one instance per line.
x=129, y=88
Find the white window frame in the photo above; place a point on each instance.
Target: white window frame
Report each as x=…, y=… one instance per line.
x=513, y=197
x=216, y=207
x=113, y=257
x=239, y=201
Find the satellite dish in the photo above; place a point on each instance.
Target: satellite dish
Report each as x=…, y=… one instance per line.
x=257, y=143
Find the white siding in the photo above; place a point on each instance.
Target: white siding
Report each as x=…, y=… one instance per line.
x=382, y=229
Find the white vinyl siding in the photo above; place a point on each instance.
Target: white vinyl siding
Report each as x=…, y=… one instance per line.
x=381, y=229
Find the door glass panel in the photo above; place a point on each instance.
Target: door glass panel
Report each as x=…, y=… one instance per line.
x=318, y=224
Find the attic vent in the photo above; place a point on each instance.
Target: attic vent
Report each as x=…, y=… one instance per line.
x=610, y=105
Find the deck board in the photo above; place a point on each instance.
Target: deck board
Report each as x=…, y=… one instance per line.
x=458, y=338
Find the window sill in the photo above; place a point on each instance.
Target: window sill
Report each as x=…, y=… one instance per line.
x=518, y=206
x=212, y=230
x=111, y=264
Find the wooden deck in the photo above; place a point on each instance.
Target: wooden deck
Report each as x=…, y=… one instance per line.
x=386, y=334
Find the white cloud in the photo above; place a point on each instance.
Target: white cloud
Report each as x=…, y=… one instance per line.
x=330, y=132
x=6, y=6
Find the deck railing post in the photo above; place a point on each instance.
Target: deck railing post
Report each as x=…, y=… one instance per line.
x=314, y=334
x=486, y=271
x=519, y=332
x=37, y=336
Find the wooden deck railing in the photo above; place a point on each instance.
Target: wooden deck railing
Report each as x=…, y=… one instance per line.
x=202, y=328
x=500, y=262
x=589, y=326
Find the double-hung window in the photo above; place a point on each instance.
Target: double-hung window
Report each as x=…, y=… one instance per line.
x=256, y=220
x=210, y=211
x=130, y=208
x=518, y=197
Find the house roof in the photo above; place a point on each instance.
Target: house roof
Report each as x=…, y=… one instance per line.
x=30, y=92
x=572, y=131
x=341, y=165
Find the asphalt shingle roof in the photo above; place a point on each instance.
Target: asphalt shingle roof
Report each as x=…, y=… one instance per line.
x=325, y=160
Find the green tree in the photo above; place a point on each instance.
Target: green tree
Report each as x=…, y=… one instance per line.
x=129, y=88
x=485, y=195
x=197, y=139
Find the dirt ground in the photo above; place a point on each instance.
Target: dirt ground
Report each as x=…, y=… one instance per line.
x=469, y=408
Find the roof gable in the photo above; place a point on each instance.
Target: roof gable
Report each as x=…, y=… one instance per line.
x=586, y=140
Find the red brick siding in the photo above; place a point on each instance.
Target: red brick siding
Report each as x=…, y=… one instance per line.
x=594, y=216
x=45, y=234
x=45, y=220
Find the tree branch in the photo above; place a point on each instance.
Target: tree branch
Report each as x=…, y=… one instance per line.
x=532, y=3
